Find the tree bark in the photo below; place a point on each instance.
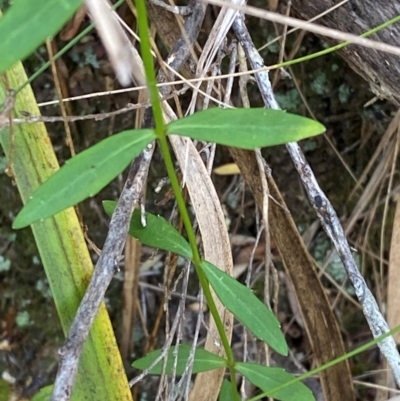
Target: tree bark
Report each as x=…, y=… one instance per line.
x=380, y=70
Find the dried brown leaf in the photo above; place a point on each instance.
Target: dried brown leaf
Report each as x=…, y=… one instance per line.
x=320, y=322
x=393, y=304
x=217, y=250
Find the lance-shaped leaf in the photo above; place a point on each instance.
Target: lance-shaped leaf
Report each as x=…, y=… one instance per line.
x=28, y=23
x=226, y=392
x=269, y=379
x=43, y=394
x=246, y=128
x=246, y=307
x=158, y=233
x=84, y=175
x=203, y=361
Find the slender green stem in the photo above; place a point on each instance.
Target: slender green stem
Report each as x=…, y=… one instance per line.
x=145, y=47
x=336, y=47
x=196, y=256
x=160, y=130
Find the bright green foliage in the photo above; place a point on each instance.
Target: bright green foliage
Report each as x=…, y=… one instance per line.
x=44, y=394
x=203, y=361
x=226, y=393
x=158, y=233
x=246, y=128
x=84, y=175
x=236, y=297
x=267, y=379
x=28, y=23
x=246, y=307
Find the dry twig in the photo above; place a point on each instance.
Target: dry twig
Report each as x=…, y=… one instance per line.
x=102, y=276
x=325, y=212
x=310, y=27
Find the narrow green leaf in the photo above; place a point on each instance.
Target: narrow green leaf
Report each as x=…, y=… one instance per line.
x=246, y=128
x=63, y=252
x=267, y=379
x=84, y=175
x=28, y=23
x=44, y=394
x=158, y=233
x=246, y=307
x=203, y=361
x=226, y=393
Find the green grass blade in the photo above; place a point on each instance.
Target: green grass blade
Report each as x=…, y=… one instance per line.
x=28, y=23
x=246, y=128
x=64, y=254
x=246, y=307
x=84, y=175
x=203, y=361
x=267, y=378
x=158, y=233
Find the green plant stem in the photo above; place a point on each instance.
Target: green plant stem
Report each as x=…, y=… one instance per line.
x=196, y=257
x=160, y=131
x=336, y=47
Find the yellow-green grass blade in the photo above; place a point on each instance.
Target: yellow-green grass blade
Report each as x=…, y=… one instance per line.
x=63, y=252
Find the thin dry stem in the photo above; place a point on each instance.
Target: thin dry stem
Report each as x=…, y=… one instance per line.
x=102, y=276
x=326, y=213
x=317, y=17
x=310, y=27
x=57, y=85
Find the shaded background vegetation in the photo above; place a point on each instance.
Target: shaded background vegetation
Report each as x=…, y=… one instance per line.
x=30, y=332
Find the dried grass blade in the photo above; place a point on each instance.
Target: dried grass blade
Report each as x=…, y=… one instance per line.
x=320, y=322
